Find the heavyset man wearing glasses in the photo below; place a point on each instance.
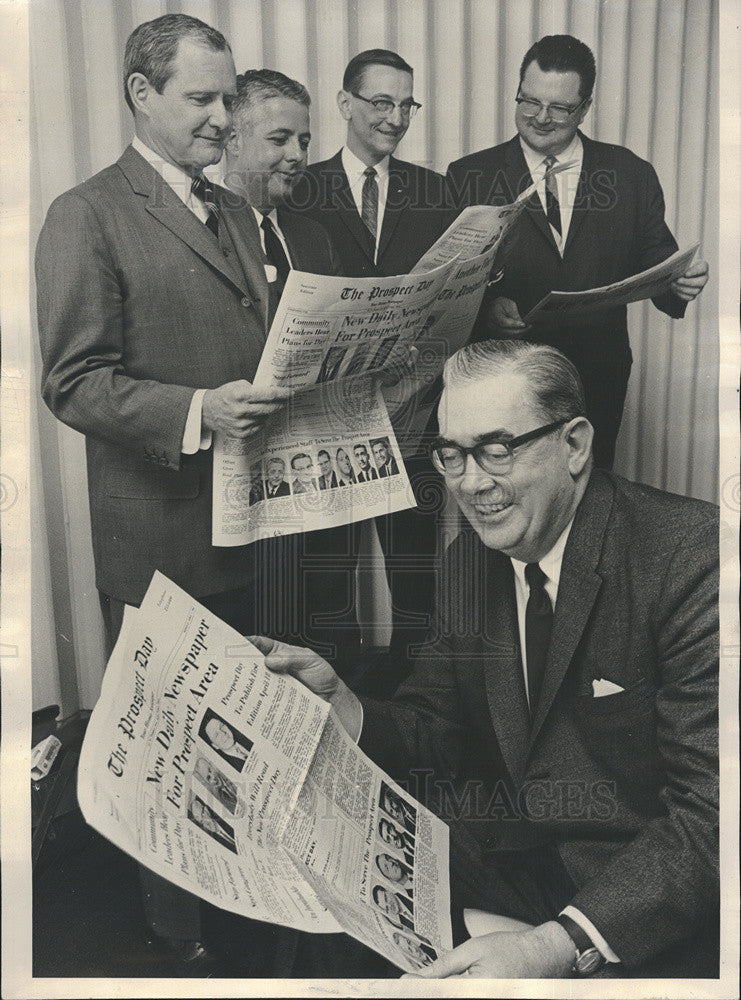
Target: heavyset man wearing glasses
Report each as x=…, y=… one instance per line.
x=564, y=717
x=596, y=222
x=382, y=215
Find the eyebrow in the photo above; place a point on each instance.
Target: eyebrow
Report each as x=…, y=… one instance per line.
x=500, y=434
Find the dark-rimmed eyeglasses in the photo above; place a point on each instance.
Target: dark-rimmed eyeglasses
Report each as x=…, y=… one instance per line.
x=494, y=456
x=386, y=107
x=558, y=113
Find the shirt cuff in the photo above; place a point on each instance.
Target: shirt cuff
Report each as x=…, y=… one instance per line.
x=195, y=438
x=591, y=931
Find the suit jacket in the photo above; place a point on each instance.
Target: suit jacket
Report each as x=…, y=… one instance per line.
x=416, y=214
x=617, y=229
x=282, y=491
x=140, y=304
x=367, y=476
x=389, y=469
x=328, y=482
x=637, y=605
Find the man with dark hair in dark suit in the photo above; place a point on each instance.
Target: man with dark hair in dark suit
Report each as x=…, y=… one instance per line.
x=564, y=717
x=596, y=222
x=383, y=214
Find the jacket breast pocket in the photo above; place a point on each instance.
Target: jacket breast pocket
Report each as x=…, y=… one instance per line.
x=152, y=484
x=636, y=698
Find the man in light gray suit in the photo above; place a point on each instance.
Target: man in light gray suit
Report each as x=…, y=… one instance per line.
x=153, y=310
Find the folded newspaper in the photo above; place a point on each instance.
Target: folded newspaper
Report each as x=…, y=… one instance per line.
x=241, y=786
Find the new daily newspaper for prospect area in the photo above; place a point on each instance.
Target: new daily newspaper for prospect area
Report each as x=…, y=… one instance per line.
x=239, y=785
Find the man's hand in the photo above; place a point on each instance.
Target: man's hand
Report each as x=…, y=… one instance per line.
x=692, y=282
x=503, y=317
x=308, y=667
x=545, y=952
x=238, y=409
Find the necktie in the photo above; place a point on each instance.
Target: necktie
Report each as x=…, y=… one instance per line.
x=552, y=204
x=369, y=212
x=275, y=253
x=204, y=191
x=538, y=627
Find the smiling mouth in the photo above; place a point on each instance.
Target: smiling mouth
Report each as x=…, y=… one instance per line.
x=488, y=509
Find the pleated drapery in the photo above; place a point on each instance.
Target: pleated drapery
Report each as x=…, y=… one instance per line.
x=656, y=92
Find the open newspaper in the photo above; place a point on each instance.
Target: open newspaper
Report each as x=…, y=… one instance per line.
x=334, y=457
x=241, y=786
x=646, y=285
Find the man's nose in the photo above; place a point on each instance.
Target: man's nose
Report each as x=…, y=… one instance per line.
x=396, y=117
x=473, y=477
x=293, y=152
x=544, y=114
x=220, y=116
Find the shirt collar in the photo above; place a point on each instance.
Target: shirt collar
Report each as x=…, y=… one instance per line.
x=550, y=563
x=272, y=215
x=534, y=159
x=355, y=168
x=176, y=177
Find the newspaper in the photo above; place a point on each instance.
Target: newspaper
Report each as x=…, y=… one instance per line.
x=239, y=785
x=327, y=458
x=478, y=228
x=646, y=285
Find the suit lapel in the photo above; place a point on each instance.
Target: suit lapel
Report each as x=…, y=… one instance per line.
x=165, y=206
x=344, y=203
x=398, y=183
x=505, y=685
x=581, y=201
x=577, y=591
x=242, y=225
x=519, y=178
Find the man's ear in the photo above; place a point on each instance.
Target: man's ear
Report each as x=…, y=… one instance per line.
x=140, y=90
x=343, y=103
x=583, y=111
x=579, y=435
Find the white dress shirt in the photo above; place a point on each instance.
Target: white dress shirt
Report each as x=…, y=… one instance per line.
x=270, y=272
x=567, y=181
x=194, y=437
x=355, y=170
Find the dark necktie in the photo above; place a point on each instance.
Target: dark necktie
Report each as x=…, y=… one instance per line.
x=538, y=627
x=369, y=212
x=552, y=204
x=204, y=191
x=275, y=253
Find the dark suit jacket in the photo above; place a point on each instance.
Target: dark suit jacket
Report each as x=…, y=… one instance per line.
x=282, y=491
x=416, y=215
x=389, y=469
x=367, y=476
x=139, y=305
x=637, y=605
x=617, y=229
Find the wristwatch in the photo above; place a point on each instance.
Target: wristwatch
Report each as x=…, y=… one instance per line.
x=588, y=958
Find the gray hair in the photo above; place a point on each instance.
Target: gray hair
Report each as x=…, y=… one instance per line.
x=153, y=45
x=553, y=380
x=261, y=84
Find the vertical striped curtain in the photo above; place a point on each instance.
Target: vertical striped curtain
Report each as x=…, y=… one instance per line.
x=656, y=92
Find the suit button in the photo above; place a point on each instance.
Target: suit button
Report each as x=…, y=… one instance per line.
x=246, y=302
x=490, y=844
x=225, y=251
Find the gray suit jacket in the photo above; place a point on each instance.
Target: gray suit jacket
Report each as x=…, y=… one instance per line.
x=625, y=785
x=139, y=304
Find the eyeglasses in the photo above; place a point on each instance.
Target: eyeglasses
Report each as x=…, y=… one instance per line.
x=495, y=457
x=385, y=107
x=558, y=113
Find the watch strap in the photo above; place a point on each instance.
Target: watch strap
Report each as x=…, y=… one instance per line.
x=588, y=957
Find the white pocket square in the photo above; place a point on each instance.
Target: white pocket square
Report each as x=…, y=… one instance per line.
x=271, y=273
x=602, y=687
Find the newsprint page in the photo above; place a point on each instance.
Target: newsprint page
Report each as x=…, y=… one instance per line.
x=200, y=763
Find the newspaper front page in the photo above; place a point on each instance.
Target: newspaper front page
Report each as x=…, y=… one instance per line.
x=239, y=785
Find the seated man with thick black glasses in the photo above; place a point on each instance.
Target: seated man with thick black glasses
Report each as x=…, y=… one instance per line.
x=564, y=716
